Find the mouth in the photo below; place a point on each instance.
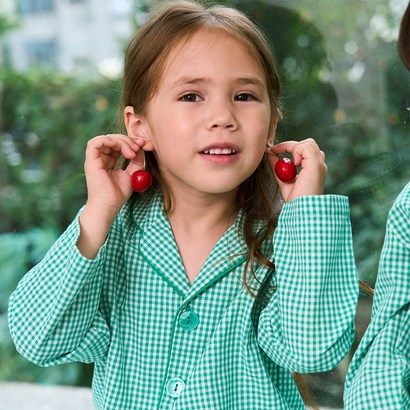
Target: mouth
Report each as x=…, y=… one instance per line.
x=221, y=154
x=219, y=151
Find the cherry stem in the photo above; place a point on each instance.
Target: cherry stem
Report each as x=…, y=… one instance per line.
x=144, y=163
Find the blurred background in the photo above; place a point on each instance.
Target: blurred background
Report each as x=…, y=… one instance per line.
x=60, y=84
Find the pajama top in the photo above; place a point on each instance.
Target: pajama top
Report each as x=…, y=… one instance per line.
x=158, y=341
x=379, y=374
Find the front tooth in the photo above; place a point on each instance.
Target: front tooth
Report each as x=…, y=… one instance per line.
x=220, y=151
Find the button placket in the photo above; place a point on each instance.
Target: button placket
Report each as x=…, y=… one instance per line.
x=187, y=320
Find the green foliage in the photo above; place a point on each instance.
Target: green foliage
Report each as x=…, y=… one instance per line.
x=5, y=25
x=46, y=121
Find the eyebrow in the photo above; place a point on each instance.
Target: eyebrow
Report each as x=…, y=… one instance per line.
x=187, y=80
x=250, y=80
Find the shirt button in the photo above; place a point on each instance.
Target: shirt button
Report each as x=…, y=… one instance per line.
x=188, y=320
x=175, y=386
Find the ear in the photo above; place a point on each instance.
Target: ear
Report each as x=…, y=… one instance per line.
x=137, y=127
x=272, y=130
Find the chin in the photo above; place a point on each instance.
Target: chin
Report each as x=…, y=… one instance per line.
x=220, y=190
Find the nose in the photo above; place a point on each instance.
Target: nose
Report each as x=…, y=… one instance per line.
x=222, y=115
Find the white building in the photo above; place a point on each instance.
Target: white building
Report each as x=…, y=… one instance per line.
x=73, y=36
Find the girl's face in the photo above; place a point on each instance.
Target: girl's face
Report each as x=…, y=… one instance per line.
x=209, y=119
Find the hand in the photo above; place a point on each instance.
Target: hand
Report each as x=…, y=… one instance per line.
x=307, y=155
x=108, y=187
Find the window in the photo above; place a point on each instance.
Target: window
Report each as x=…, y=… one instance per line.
x=35, y=6
x=42, y=53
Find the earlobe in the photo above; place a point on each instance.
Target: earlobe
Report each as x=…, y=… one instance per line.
x=137, y=127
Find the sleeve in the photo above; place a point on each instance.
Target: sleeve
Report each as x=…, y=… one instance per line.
x=392, y=289
x=54, y=313
x=380, y=367
x=308, y=325
x=382, y=379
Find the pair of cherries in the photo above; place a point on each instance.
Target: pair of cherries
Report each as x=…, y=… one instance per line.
x=285, y=169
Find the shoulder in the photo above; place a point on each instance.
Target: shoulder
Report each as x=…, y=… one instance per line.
x=399, y=215
x=402, y=201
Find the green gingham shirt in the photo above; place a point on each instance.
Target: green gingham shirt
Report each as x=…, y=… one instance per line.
x=379, y=374
x=159, y=342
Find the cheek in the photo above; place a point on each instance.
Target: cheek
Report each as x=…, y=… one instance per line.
x=265, y=139
x=168, y=152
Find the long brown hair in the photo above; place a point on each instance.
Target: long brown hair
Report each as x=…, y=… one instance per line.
x=403, y=44
x=167, y=26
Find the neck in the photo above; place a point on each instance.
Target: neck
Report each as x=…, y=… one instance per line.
x=198, y=223
x=203, y=212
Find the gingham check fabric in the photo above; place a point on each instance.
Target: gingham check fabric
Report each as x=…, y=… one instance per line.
x=159, y=342
x=379, y=374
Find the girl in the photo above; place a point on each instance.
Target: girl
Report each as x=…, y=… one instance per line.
x=195, y=294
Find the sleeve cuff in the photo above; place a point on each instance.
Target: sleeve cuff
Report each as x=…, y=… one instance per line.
x=73, y=234
x=315, y=205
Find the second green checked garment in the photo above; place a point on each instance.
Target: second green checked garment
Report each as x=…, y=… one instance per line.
x=379, y=375
x=159, y=342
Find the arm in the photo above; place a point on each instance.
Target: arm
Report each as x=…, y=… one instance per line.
x=53, y=313
x=308, y=324
x=392, y=289
x=382, y=375
x=383, y=355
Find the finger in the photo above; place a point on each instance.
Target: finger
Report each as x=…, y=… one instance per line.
x=283, y=147
x=139, y=141
x=112, y=145
x=289, y=146
x=306, y=150
x=323, y=155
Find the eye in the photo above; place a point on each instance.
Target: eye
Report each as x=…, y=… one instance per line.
x=190, y=97
x=245, y=97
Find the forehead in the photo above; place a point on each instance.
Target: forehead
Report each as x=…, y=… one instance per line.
x=209, y=49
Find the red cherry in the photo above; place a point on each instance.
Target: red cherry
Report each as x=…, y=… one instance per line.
x=285, y=169
x=141, y=180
